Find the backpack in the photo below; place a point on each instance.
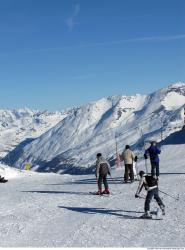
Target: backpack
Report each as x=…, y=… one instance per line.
x=151, y=181
x=104, y=169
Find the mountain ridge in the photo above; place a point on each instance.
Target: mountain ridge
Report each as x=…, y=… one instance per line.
x=73, y=142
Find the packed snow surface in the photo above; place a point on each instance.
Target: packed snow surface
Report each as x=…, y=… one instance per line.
x=51, y=210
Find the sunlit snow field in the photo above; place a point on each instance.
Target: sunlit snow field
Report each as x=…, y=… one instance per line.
x=50, y=210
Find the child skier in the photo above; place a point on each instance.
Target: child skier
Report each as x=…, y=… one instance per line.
x=151, y=185
x=102, y=169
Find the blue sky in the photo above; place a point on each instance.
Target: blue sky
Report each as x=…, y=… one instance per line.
x=61, y=53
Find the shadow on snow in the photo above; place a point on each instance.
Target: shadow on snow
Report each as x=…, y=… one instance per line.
x=170, y=173
x=55, y=192
x=114, y=212
x=117, y=180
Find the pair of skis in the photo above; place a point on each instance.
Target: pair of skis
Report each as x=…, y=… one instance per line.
x=98, y=194
x=106, y=195
x=156, y=215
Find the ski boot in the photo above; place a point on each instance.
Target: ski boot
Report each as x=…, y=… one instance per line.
x=162, y=209
x=125, y=181
x=146, y=215
x=106, y=191
x=99, y=192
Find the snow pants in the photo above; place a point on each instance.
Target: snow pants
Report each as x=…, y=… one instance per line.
x=102, y=178
x=153, y=193
x=155, y=168
x=129, y=172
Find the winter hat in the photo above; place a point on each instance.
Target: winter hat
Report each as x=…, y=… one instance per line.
x=141, y=173
x=99, y=155
x=127, y=146
x=153, y=143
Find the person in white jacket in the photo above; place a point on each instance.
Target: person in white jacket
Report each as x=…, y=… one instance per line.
x=128, y=158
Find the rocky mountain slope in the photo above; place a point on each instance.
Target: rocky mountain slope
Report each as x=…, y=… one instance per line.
x=19, y=125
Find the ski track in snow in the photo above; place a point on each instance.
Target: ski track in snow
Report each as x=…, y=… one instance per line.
x=50, y=210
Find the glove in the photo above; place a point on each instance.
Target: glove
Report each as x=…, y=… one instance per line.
x=135, y=159
x=96, y=175
x=145, y=156
x=136, y=196
x=108, y=173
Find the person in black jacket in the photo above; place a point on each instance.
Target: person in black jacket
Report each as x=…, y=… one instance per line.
x=151, y=185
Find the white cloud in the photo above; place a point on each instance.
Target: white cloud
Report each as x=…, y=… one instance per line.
x=139, y=39
x=77, y=9
x=99, y=44
x=71, y=21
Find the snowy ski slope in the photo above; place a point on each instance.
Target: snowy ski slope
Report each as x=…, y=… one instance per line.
x=51, y=210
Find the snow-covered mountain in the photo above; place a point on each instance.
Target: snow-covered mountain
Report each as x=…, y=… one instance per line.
x=19, y=125
x=73, y=143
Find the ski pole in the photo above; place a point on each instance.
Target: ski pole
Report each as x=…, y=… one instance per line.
x=112, y=179
x=137, y=171
x=97, y=182
x=146, y=166
x=176, y=198
x=142, y=197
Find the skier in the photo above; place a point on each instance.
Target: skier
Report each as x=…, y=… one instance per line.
x=102, y=169
x=151, y=185
x=2, y=179
x=128, y=158
x=153, y=152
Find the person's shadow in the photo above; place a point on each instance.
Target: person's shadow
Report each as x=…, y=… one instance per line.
x=55, y=192
x=114, y=212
